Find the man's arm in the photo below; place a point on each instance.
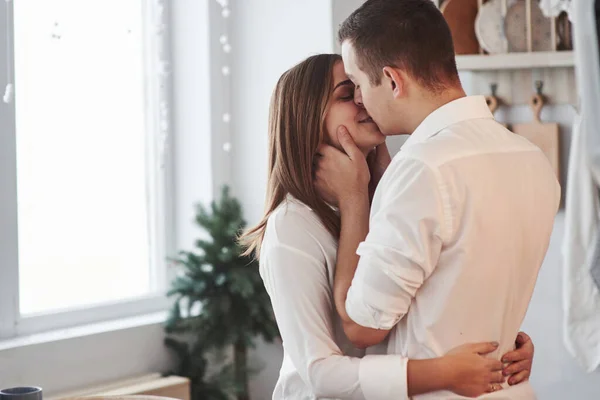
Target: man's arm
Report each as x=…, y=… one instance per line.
x=408, y=224
x=355, y=226
x=403, y=243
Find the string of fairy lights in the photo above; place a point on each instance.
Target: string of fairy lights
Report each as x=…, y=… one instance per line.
x=225, y=71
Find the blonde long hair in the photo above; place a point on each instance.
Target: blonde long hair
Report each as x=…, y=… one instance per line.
x=296, y=129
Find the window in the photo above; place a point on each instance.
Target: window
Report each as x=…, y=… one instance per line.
x=91, y=123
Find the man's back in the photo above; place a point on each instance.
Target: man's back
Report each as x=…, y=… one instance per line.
x=495, y=198
x=503, y=198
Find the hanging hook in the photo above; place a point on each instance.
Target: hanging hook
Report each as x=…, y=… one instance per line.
x=537, y=100
x=492, y=101
x=539, y=85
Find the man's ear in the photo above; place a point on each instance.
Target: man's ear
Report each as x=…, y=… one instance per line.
x=395, y=80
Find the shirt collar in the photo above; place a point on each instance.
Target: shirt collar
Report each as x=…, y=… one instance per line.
x=459, y=110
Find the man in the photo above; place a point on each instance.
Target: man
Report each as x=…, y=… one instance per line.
x=461, y=220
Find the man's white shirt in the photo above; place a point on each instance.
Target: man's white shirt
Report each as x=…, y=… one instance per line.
x=459, y=227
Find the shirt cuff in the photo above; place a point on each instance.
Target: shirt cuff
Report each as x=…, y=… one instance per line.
x=363, y=314
x=383, y=377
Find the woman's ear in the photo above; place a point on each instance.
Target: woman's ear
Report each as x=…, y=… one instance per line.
x=394, y=80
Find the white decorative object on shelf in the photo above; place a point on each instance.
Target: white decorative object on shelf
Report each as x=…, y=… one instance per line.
x=489, y=27
x=552, y=8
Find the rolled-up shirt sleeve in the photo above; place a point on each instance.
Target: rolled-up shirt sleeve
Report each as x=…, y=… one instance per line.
x=409, y=221
x=300, y=292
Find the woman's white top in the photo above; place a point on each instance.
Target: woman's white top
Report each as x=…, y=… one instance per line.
x=297, y=265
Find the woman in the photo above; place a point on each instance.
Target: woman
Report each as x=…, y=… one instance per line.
x=297, y=240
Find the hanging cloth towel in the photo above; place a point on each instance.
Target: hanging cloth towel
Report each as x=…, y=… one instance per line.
x=580, y=293
x=595, y=263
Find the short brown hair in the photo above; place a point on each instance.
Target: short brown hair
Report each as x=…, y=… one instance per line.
x=296, y=129
x=408, y=34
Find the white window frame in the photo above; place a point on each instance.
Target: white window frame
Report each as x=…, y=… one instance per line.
x=159, y=164
x=102, y=352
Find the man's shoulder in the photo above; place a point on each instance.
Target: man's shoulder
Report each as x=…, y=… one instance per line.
x=431, y=153
x=418, y=156
x=467, y=139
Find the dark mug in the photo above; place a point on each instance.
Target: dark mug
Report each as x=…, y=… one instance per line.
x=21, y=393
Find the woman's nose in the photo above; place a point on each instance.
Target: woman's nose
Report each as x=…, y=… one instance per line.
x=358, y=98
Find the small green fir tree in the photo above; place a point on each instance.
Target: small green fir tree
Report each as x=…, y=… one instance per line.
x=220, y=304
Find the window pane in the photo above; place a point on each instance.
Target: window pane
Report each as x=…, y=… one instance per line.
x=81, y=153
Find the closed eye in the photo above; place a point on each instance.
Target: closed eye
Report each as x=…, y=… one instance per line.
x=346, y=89
x=348, y=93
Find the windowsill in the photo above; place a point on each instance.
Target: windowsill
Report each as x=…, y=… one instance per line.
x=69, y=359
x=84, y=330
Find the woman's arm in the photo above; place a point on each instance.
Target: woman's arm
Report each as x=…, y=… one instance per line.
x=300, y=292
x=464, y=370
